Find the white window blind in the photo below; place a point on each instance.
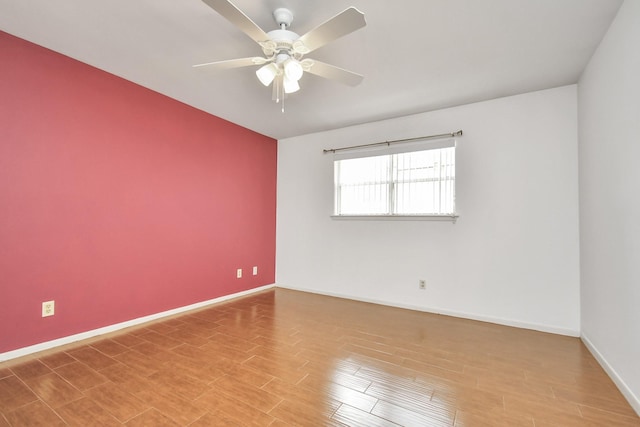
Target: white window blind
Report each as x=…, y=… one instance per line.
x=403, y=181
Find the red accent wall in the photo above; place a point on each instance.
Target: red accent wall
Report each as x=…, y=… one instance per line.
x=118, y=202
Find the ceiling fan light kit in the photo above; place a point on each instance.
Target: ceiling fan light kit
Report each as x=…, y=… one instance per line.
x=282, y=64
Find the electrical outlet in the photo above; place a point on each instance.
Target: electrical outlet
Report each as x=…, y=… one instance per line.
x=422, y=284
x=48, y=308
x=239, y=273
x=255, y=270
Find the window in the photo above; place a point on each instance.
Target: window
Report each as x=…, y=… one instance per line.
x=406, y=183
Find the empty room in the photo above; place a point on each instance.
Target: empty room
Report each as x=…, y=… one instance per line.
x=294, y=213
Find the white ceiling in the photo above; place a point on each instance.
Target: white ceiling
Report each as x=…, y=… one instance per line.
x=416, y=55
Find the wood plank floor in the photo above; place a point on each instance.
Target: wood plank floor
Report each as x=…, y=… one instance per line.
x=286, y=358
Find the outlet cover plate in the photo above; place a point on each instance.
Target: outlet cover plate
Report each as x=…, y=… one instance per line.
x=48, y=308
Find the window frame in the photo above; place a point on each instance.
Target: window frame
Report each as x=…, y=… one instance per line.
x=392, y=181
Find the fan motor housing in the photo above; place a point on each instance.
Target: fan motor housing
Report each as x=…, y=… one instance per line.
x=283, y=40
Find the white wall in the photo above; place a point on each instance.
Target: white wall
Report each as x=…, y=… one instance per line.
x=609, y=156
x=513, y=255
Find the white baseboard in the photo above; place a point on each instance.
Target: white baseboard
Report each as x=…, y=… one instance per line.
x=470, y=316
x=633, y=400
x=112, y=328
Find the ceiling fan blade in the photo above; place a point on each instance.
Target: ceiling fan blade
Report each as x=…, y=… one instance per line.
x=340, y=25
x=232, y=63
x=332, y=72
x=238, y=18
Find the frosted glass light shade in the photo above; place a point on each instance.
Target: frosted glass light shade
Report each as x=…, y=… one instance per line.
x=293, y=69
x=267, y=73
x=289, y=85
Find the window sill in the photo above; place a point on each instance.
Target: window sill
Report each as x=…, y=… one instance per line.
x=451, y=218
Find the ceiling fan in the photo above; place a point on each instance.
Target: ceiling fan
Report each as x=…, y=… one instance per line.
x=283, y=63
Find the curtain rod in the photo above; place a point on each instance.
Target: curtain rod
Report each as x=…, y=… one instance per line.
x=395, y=141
